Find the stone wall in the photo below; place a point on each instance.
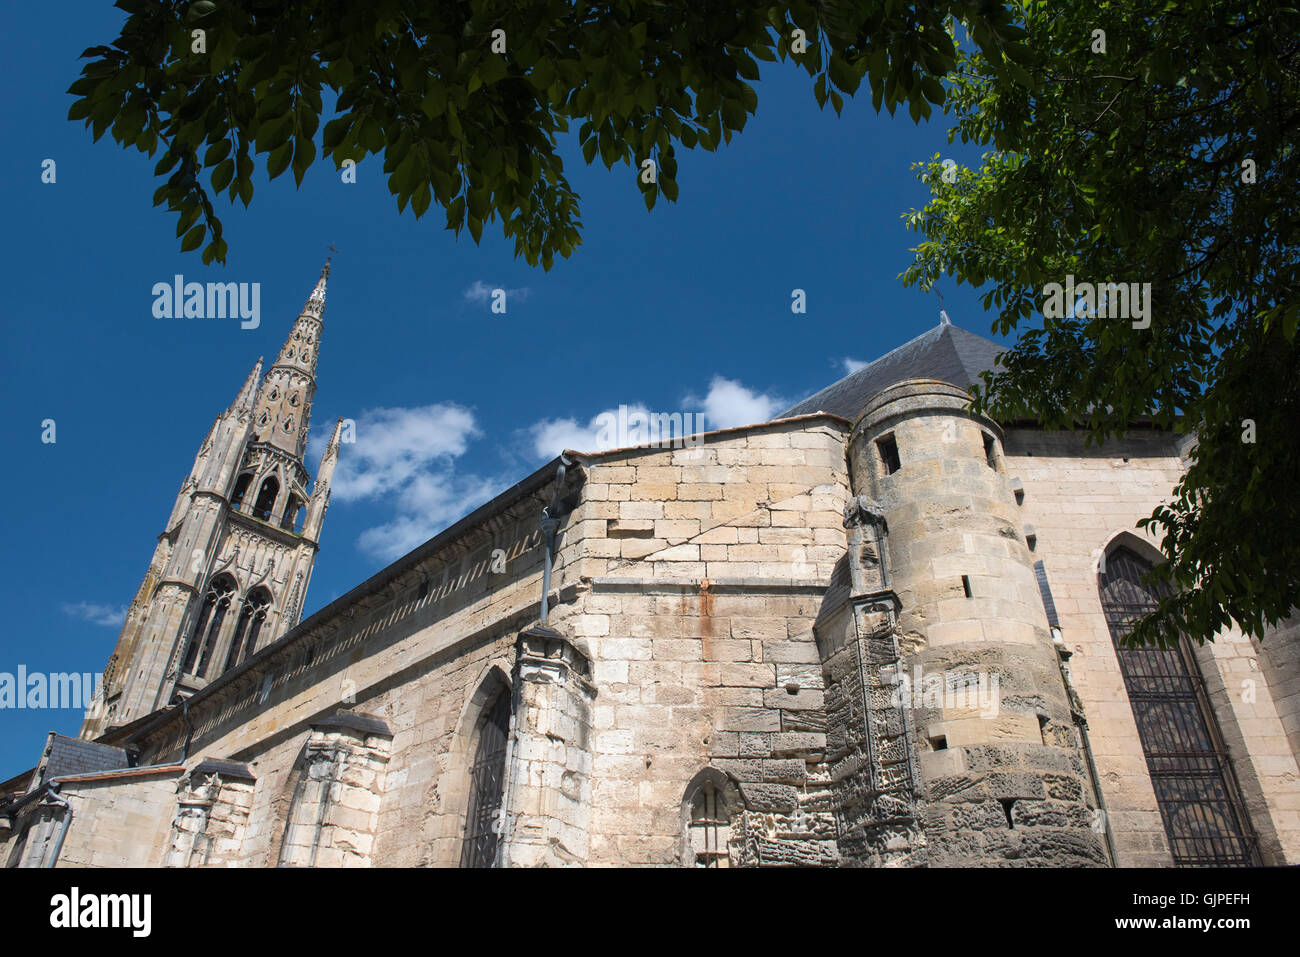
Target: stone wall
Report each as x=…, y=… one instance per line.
x=704, y=570
x=1279, y=663
x=120, y=820
x=1081, y=501
x=332, y=817
x=723, y=684
x=212, y=804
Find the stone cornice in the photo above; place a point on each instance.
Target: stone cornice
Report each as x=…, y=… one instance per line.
x=276, y=534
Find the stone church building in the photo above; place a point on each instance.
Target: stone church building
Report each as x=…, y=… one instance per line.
x=875, y=631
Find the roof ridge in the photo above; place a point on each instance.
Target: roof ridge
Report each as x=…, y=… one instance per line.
x=936, y=353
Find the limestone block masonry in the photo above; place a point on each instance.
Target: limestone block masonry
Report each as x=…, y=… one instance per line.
x=824, y=640
x=1002, y=779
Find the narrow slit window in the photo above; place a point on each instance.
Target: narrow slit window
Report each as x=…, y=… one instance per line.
x=1007, y=805
x=991, y=451
x=965, y=585
x=888, y=449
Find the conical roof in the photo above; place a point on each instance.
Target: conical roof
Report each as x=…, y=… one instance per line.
x=946, y=352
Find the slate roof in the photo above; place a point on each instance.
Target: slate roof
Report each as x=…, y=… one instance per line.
x=65, y=756
x=946, y=352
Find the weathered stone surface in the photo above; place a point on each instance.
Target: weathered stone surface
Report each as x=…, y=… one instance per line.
x=745, y=613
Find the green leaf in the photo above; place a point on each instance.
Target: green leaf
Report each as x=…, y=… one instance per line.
x=542, y=75
x=420, y=199
x=80, y=109
x=435, y=99
x=304, y=155
x=842, y=75
x=279, y=159
x=336, y=132
x=193, y=238
x=745, y=65
x=223, y=174
x=216, y=153
x=456, y=213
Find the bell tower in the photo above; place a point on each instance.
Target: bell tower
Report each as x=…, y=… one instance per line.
x=230, y=571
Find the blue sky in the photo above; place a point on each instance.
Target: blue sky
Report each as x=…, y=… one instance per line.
x=683, y=309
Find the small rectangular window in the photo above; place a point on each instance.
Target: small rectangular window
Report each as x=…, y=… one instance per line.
x=888, y=450
x=965, y=585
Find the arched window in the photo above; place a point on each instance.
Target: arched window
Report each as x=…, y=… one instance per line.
x=710, y=803
x=241, y=489
x=200, y=629
x=208, y=628
x=290, y=517
x=251, y=617
x=1196, y=788
x=266, y=498
x=487, y=784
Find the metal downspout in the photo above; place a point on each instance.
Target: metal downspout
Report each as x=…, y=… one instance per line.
x=63, y=827
x=1081, y=724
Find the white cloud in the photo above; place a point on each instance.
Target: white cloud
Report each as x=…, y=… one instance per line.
x=395, y=446
x=727, y=404
x=851, y=366
x=430, y=503
x=106, y=615
x=480, y=292
x=553, y=436
x=407, y=456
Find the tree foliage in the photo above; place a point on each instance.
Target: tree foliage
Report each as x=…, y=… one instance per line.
x=477, y=131
x=1135, y=165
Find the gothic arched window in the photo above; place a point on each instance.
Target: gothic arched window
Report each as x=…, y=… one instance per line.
x=208, y=627
x=487, y=784
x=241, y=489
x=1196, y=788
x=249, y=626
x=266, y=498
x=290, y=517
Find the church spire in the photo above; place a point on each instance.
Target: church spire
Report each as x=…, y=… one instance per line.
x=283, y=409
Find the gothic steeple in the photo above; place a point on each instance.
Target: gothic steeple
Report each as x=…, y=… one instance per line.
x=283, y=408
x=231, y=568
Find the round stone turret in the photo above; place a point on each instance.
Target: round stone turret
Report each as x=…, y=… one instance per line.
x=1001, y=776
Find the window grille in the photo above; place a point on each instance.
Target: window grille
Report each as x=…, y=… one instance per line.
x=1196, y=787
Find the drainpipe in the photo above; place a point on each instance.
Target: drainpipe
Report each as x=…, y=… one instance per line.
x=1081, y=725
x=63, y=827
x=550, y=525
